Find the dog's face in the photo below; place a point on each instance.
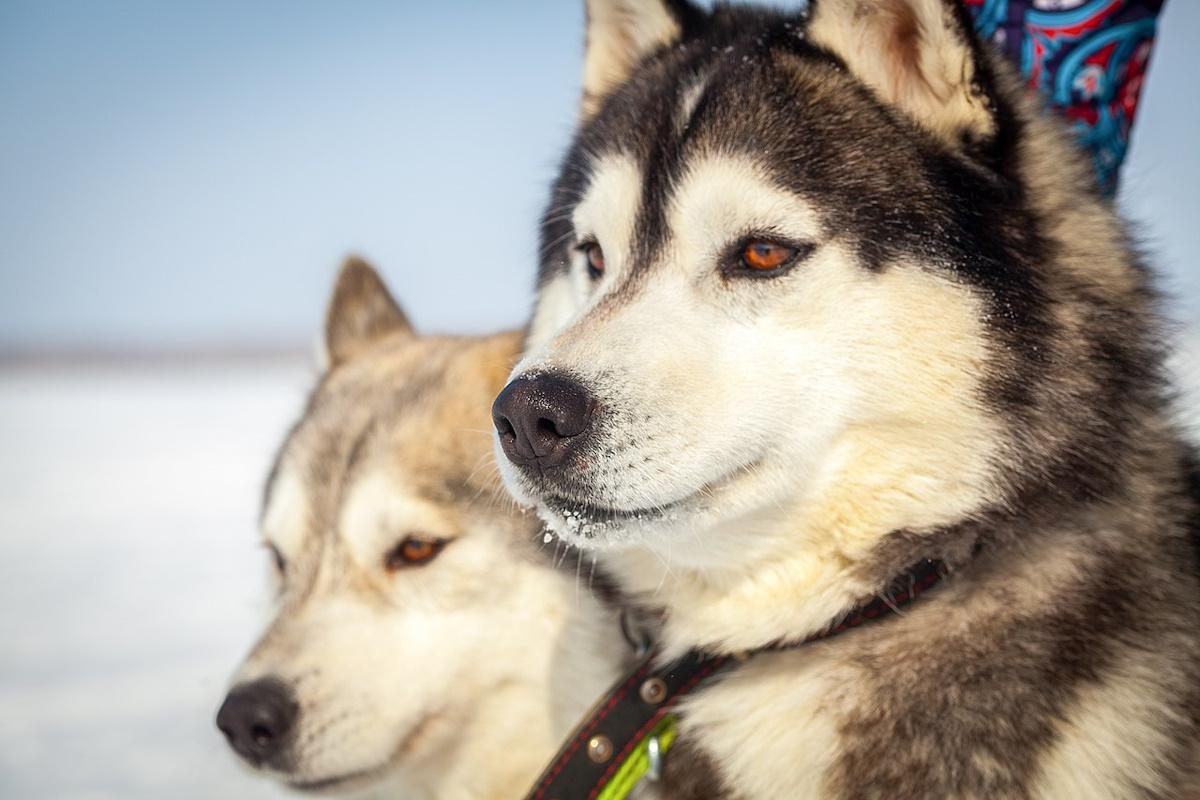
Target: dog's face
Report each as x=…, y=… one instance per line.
x=758, y=301
x=398, y=571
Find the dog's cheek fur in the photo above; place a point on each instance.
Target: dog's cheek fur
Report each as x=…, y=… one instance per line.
x=332, y=652
x=916, y=448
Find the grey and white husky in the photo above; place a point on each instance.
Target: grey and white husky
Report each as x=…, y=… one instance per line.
x=824, y=294
x=421, y=648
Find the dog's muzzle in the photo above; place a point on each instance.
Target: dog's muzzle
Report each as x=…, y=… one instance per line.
x=257, y=719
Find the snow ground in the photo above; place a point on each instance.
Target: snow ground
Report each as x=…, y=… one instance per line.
x=131, y=582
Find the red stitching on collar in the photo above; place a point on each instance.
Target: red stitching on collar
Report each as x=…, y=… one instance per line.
x=619, y=759
x=565, y=757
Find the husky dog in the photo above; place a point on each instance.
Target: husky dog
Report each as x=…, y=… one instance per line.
x=826, y=294
x=417, y=646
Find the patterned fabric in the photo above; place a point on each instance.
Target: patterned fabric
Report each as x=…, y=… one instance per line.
x=1088, y=57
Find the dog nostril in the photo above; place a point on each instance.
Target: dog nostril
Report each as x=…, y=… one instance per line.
x=505, y=428
x=263, y=737
x=548, y=428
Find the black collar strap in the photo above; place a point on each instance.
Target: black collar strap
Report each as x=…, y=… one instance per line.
x=629, y=730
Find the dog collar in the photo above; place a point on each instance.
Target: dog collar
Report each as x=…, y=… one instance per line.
x=626, y=735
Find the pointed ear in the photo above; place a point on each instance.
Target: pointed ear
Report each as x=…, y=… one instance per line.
x=917, y=55
x=619, y=34
x=360, y=311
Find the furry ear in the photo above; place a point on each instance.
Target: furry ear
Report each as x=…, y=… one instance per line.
x=360, y=311
x=619, y=34
x=917, y=55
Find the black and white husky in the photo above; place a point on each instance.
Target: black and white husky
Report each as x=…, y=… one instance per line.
x=826, y=294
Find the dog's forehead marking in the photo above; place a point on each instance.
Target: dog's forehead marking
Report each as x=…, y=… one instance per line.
x=689, y=99
x=609, y=206
x=717, y=197
x=288, y=510
x=720, y=197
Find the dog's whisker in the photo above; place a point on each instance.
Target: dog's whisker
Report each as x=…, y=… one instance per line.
x=578, y=564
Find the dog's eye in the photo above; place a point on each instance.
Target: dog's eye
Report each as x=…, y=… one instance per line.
x=413, y=551
x=764, y=256
x=595, y=259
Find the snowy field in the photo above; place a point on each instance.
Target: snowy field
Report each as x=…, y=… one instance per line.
x=130, y=578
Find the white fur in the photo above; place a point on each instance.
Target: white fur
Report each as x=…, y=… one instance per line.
x=379, y=509
x=285, y=517
x=478, y=650
x=689, y=99
x=779, y=750
x=607, y=214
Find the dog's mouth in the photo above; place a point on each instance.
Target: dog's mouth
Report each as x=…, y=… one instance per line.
x=589, y=524
x=358, y=779
x=589, y=521
x=338, y=783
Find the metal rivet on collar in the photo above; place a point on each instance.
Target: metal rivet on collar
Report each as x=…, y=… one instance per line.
x=653, y=690
x=600, y=749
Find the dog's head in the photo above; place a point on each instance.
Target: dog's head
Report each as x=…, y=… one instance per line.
x=787, y=273
x=406, y=604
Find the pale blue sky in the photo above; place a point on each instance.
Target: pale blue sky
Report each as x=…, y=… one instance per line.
x=190, y=173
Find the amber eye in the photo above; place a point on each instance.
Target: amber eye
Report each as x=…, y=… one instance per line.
x=413, y=551
x=595, y=259
x=765, y=256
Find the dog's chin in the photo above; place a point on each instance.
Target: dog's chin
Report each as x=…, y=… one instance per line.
x=591, y=526
x=346, y=784
x=358, y=781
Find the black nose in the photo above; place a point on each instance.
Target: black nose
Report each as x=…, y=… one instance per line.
x=256, y=719
x=541, y=418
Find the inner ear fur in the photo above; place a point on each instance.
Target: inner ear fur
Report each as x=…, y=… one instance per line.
x=620, y=33
x=916, y=55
